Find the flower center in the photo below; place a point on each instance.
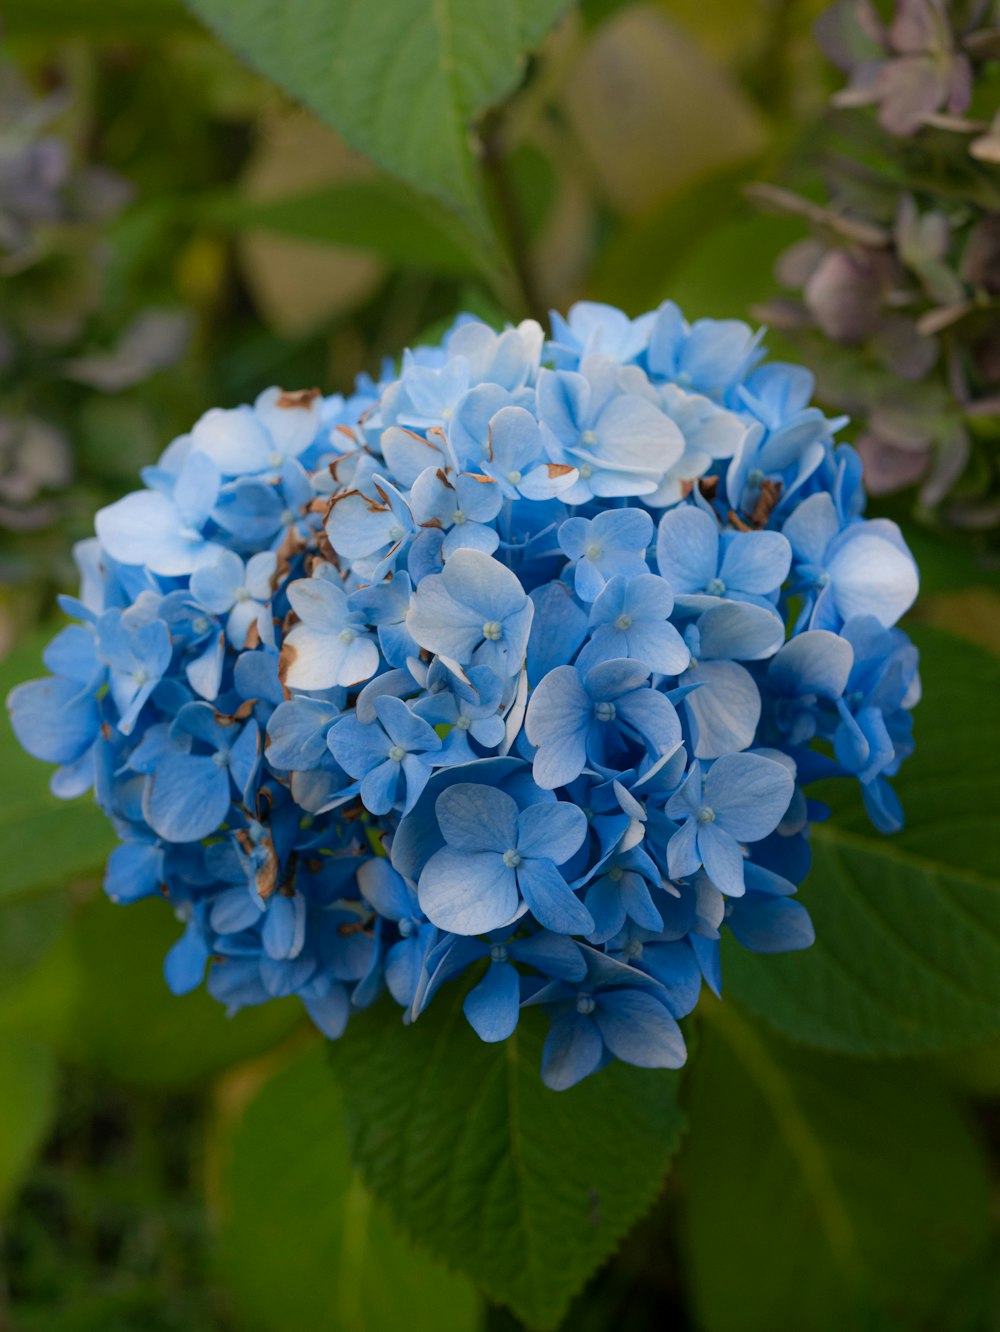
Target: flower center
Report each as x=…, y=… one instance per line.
x=498, y=953
x=588, y=439
x=397, y=753
x=623, y=622
x=605, y=712
x=822, y=579
x=139, y=676
x=585, y=1004
x=220, y=758
x=346, y=635
x=407, y=927
x=242, y=594
x=705, y=815
x=395, y=533
x=493, y=630
x=514, y=478
x=616, y=874
x=462, y=723
x=633, y=950
x=458, y=518
x=586, y=471
x=512, y=858
x=593, y=552
x=716, y=587
x=275, y=460
x=201, y=625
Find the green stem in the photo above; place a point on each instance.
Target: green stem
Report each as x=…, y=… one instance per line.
x=494, y=162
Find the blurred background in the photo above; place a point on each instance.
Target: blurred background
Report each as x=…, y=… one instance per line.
x=176, y=234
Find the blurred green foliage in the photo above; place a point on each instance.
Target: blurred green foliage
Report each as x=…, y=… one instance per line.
x=166, y=1169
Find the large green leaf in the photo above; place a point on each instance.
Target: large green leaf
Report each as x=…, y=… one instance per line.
x=907, y=952
x=824, y=1194
x=526, y=1189
x=367, y=214
x=28, y=1077
x=302, y=1244
x=46, y=841
x=402, y=80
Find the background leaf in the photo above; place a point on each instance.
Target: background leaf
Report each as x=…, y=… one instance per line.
x=28, y=1079
x=323, y=1252
x=907, y=952
x=402, y=80
x=527, y=1189
x=368, y=214
x=824, y=1194
x=100, y=998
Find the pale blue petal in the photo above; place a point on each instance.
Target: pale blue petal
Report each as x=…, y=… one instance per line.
x=551, y=900
x=687, y=548
x=724, y=710
x=467, y=892
x=755, y=561
x=477, y=818
x=749, y=794
x=552, y=831
x=817, y=662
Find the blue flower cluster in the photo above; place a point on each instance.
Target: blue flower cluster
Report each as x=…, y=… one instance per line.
x=517, y=661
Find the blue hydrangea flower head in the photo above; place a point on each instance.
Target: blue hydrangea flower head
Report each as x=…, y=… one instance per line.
x=509, y=671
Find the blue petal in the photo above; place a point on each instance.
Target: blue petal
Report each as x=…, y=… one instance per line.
x=573, y=1049
x=687, y=548
x=385, y=889
x=186, y=798
x=53, y=719
x=467, y=892
x=284, y=932
x=492, y=1006
x=551, y=900
x=722, y=858
x=477, y=818
x=768, y=924
x=553, y=831
x=638, y=1029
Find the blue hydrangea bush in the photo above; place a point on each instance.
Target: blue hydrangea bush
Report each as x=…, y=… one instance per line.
x=513, y=666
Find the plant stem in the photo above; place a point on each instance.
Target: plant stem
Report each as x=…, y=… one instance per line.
x=493, y=159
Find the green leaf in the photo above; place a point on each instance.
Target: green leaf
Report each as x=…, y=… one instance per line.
x=125, y=1021
x=46, y=841
x=526, y=1189
x=28, y=1079
x=403, y=80
x=376, y=214
x=731, y=269
x=645, y=253
x=28, y=928
x=302, y=1244
x=111, y=18
x=824, y=1194
x=907, y=952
